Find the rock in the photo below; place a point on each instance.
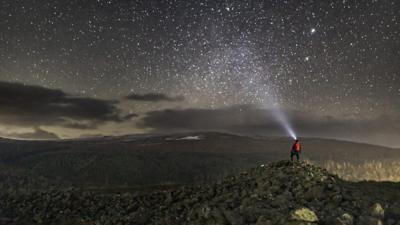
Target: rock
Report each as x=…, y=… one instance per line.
x=233, y=217
x=393, y=213
x=304, y=215
x=205, y=211
x=275, y=189
x=262, y=220
x=390, y=222
x=345, y=219
x=377, y=211
x=369, y=221
x=280, y=201
x=217, y=218
x=169, y=198
x=315, y=192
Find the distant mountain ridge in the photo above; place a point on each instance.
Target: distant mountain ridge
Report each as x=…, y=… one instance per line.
x=175, y=158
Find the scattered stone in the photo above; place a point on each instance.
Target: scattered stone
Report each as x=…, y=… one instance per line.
x=369, y=221
x=345, y=219
x=315, y=192
x=304, y=214
x=377, y=211
x=279, y=193
x=205, y=211
x=262, y=220
x=233, y=217
x=393, y=213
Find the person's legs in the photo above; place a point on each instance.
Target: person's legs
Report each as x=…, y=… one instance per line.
x=291, y=155
x=297, y=156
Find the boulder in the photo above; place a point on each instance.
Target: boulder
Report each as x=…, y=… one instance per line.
x=304, y=215
x=367, y=220
x=377, y=211
x=345, y=219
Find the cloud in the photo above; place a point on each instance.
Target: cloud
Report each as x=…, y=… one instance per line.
x=249, y=119
x=38, y=133
x=154, y=97
x=28, y=105
x=200, y=119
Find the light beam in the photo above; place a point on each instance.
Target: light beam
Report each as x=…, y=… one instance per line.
x=280, y=116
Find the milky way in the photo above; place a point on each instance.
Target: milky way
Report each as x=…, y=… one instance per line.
x=336, y=59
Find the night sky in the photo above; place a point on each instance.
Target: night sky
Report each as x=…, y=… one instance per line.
x=87, y=68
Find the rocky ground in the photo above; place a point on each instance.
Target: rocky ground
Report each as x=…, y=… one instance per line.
x=277, y=193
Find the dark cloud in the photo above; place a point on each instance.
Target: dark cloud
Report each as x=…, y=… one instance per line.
x=200, y=119
x=37, y=134
x=26, y=105
x=154, y=97
x=252, y=120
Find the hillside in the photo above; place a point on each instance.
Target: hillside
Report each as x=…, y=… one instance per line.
x=159, y=159
x=276, y=193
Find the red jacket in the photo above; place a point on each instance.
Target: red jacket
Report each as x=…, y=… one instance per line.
x=296, y=147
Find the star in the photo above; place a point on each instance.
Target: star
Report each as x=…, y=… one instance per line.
x=212, y=54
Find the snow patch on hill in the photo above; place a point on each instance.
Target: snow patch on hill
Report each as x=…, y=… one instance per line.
x=185, y=138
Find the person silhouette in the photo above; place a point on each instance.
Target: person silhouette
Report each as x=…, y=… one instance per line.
x=296, y=150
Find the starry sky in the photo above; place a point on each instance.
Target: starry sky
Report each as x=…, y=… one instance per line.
x=74, y=68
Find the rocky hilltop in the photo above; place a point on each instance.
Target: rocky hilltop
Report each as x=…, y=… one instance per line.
x=278, y=193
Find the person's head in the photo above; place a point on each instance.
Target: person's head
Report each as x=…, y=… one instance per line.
x=297, y=140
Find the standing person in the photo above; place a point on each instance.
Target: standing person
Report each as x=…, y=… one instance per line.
x=296, y=150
